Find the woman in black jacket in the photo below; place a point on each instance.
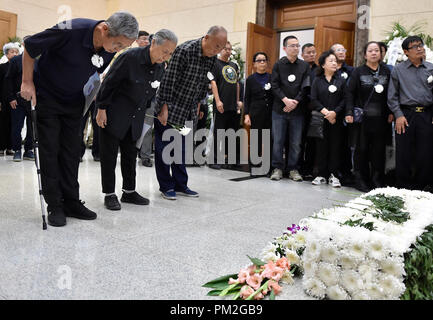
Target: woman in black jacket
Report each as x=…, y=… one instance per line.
x=328, y=98
x=258, y=101
x=367, y=91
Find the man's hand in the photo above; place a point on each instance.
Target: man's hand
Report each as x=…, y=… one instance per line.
x=220, y=106
x=290, y=104
x=163, y=115
x=349, y=119
x=13, y=104
x=28, y=91
x=240, y=105
x=101, y=118
x=401, y=124
x=247, y=120
x=331, y=116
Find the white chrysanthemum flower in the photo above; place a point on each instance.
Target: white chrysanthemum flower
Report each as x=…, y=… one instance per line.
x=351, y=281
x=329, y=253
x=357, y=250
x=300, y=238
x=314, y=248
x=391, y=286
x=396, y=33
x=348, y=261
x=361, y=295
x=315, y=288
x=288, y=278
x=393, y=266
x=291, y=244
x=368, y=272
x=292, y=257
x=309, y=267
x=329, y=274
x=376, y=250
x=337, y=293
x=375, y=291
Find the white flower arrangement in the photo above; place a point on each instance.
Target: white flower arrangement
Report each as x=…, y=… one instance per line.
x=354, y=262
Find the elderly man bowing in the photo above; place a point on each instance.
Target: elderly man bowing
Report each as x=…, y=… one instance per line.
x=70, y=53
x=123, y=101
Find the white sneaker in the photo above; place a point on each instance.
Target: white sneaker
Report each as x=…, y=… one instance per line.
x=334, y=182
x=295, y=176
x=277, y=174
x=318, y=181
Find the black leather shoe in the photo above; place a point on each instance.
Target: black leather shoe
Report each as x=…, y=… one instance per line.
x=147, y=162
x=360, y=183
x=76, y=209
x=112, y=203
x=134, y=198
x=215, y=166
x=56, y=217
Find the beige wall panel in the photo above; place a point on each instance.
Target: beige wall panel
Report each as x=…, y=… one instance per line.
x=385, y=12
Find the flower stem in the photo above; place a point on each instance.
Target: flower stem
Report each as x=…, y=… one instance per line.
x=258, y=291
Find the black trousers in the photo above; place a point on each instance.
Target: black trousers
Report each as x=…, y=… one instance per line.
x=371, y=138
x=308, y=149
x=59, y=149
x=262, y=121
x=109, y=147
x=414, y=151
x=5, y=127
x=226, y=120
x=329, y=149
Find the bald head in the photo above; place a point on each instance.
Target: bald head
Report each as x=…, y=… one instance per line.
x=214, y=41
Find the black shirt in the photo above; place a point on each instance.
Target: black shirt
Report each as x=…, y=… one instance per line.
x=3, y=95
x=361, y=88
x=258, y=95
x=299, y=72
x=322, y=97
x=127, y=90
x=226, y=78
x=13, y=78
x=345, y=71
x=65, y=65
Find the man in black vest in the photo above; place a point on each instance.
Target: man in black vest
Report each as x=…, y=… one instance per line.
x=123, y=102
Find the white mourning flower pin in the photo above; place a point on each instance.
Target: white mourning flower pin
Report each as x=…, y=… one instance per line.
x=155, y=84
x=210, y=76
x=97, y=60
x=292, y=78
x=267, y=86
x=185, y=131
x=332, y=88
x=379, y=88
x=344, y=75
x=430, y=79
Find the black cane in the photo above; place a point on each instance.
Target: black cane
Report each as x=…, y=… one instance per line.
x=38, y=170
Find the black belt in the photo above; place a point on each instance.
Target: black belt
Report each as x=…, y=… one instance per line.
x=416, y=108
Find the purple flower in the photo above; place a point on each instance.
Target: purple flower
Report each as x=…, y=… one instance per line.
x=294, y=228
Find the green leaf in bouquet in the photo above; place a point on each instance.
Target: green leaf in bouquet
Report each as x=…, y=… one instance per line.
x=257, y=262
x=214, y=293
x=272, y=295
x=219, y=282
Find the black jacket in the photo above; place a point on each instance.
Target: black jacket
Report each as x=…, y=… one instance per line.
x=127, y=91
x=282, y=87
x=3, y=96
x=258, y=101
x=322, y=97
x=13, y=80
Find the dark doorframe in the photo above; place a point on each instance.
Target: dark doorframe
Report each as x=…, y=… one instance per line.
x=265, y=17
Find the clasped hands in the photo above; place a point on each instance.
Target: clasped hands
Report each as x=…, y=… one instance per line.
x=331, y=116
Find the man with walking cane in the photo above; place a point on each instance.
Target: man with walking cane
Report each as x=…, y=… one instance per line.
x=70, y=53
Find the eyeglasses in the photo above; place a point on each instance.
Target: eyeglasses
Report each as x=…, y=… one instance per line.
x=417, y=46
x=341, y=50
x=261, y=60
x=293, y=46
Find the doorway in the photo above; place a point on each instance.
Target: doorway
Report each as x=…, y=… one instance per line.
x=8, y=26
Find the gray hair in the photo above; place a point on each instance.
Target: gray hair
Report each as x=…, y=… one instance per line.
x=164, y=35
x=122, y=23
x=10, y=46
x=213, y=31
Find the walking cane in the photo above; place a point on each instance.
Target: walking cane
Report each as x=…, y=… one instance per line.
x=38, y=170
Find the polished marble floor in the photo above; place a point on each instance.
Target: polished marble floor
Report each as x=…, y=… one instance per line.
x=166, y=250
